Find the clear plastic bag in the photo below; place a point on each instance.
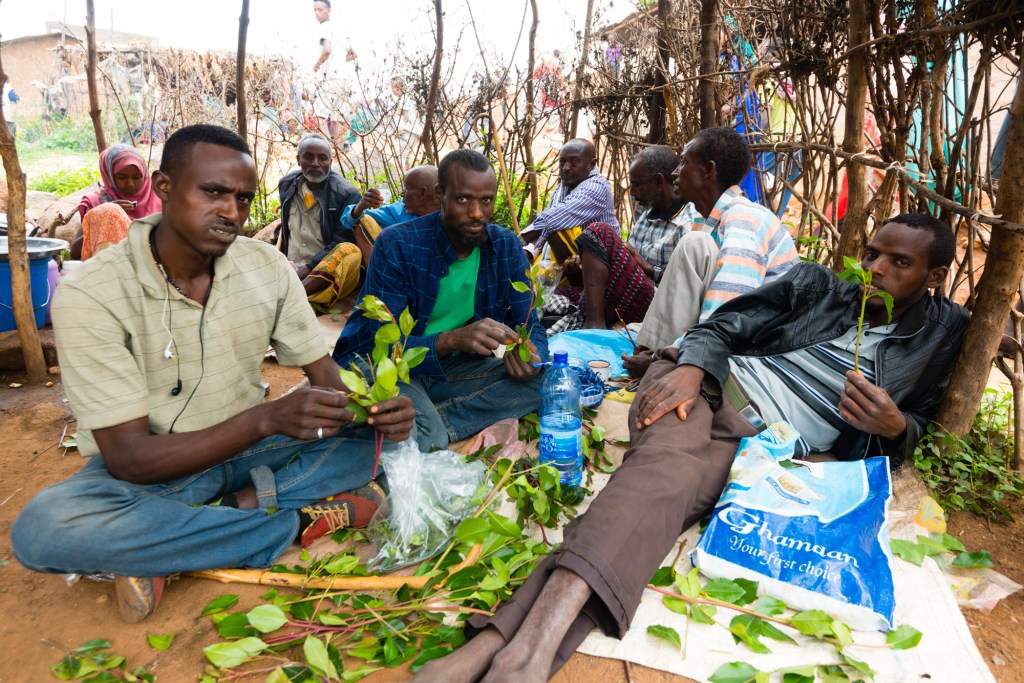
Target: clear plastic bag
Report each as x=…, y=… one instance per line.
x=549, y=274
x=430, y=493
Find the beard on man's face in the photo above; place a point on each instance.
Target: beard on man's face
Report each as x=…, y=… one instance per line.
x=462, y=237
x=315, y=174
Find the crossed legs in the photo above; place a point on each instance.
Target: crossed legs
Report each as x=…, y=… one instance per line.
x=670, y=478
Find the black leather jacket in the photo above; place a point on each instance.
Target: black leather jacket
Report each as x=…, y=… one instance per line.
x=810, y=305
x=334, y=195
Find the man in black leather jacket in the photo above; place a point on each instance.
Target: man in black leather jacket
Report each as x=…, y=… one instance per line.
x=312, y=201
x=685, y=430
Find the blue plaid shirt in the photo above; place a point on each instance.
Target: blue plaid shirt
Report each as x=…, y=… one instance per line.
x=406, y=270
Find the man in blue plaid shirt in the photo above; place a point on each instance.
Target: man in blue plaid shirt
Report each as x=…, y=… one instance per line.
x=432, y=264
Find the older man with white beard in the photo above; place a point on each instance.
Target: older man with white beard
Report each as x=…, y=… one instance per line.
x=322, y=251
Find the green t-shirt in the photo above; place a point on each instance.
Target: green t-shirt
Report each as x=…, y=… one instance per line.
x=456, y=297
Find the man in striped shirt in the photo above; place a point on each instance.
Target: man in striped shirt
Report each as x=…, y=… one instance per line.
x=739, y=246
x=583, y=197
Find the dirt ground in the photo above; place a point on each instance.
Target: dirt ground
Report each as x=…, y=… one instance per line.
x=43, y=615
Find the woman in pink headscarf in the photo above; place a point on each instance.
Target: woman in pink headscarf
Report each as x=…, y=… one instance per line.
x=126, y=183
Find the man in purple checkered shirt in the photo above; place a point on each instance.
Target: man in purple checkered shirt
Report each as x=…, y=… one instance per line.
x=583, y=197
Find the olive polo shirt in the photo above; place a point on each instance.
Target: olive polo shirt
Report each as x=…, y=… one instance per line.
x=114, y=317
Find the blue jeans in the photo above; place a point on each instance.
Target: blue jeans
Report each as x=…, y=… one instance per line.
x=93, y=522
x=476, y=393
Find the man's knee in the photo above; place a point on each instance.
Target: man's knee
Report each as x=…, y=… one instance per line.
x=40, y=535
x=694, y=251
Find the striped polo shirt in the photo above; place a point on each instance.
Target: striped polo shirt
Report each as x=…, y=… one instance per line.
x=802, y=387
x=754, y=248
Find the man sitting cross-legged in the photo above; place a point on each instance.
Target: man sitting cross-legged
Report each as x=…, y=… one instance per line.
x=619, y=278
x=454, y=271
x=734, y=247
x=322, y=250
x=160, y=340
x=789, y=346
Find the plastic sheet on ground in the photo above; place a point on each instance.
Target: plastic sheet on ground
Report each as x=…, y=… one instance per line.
x=946, y=653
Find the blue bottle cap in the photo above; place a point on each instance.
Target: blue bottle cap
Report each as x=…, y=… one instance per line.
x=561, y=357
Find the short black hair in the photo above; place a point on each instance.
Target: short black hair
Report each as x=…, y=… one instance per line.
x=655, y=160
x=466, y=158
x=943, y=248
x=178, y=149
x=326, y=2
x=727, y=149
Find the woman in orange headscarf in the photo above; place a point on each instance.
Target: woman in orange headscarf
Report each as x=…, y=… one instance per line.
x=127, y=185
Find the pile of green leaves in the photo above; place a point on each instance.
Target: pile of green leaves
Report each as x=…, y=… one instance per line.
x=342, y=636
x=90, y=664
x=974, y=472
x=761, y=618
x=64, y=182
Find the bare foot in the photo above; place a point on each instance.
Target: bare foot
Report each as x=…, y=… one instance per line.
x=516, y=664
x=465, y=665
x=528, y=658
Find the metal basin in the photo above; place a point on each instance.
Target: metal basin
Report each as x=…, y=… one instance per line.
x=38, y=247
x=29, y=225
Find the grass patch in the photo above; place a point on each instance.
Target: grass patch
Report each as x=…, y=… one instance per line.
x=974, y=472
x=65, y=181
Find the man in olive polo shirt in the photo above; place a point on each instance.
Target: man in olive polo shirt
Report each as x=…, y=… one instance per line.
x=160, y=340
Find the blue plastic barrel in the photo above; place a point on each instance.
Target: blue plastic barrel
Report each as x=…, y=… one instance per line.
x=40, y=292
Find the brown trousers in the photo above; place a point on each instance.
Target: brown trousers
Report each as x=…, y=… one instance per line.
x=672, y=475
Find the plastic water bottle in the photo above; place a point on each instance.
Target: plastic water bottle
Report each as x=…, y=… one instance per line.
x=561, y=423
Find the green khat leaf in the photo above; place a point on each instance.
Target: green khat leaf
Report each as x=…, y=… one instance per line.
x=903, y=638
x=952, y=543
x=663, y=577
x=159, y=641
x=266, y=618
x=219, y=604
x=234, y=653
x=406, y=323
x=812, y=623
x=666, y=633
x=387, y=334
x=724, y=590
x=979, y=558
x=769, y=606
x=735, y=672
x=353, y=381
x=907, y=550
x=317, y=658
x=414, y=356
